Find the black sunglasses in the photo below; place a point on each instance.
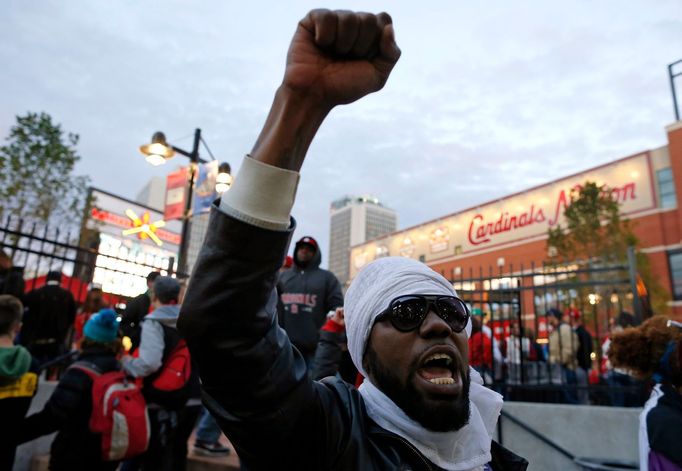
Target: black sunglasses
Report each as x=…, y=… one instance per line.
x=407, y=312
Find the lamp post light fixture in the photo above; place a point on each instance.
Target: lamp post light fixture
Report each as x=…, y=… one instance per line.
x=158, y=152
x=223, y=181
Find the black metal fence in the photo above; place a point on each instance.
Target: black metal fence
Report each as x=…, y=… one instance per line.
x=523, y=351
x=35, y=249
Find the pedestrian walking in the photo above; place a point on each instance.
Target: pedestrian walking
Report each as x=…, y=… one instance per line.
x=18, y=378
x=135, y=311
x=563, y=355
x=307, y=294
x=163, y=365
x=653, y=352
x=69, y=409
x=50, y=314
x=11, y=277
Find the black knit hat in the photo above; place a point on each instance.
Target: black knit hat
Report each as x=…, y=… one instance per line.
x=166, y=289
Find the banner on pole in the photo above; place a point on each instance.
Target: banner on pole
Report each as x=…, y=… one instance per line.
x=204, y=187
x=176, y=191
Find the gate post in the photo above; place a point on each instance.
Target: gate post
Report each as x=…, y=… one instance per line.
x=632, y=272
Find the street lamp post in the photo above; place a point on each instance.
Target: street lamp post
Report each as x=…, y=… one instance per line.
x=157, y=153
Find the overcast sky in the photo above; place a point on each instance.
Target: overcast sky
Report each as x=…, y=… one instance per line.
x=488, y=98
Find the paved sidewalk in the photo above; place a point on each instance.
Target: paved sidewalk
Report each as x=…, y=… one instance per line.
x=194, y=462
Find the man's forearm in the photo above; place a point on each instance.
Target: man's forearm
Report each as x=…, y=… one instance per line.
x=289, y=129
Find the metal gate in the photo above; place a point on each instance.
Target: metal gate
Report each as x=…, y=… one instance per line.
x=514, y=306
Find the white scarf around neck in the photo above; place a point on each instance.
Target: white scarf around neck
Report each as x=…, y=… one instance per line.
x=466, y=449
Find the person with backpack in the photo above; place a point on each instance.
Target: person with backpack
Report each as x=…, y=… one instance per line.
x=163, y=365
x=75, y=403
x=18, y=378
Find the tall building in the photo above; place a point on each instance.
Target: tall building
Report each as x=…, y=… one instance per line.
x=355, y=220
x=153, y=194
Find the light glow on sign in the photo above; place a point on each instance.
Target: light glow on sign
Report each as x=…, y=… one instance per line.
x=123, y=265
x=143, y=228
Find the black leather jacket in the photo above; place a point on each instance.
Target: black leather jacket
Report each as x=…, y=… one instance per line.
x=257, y=385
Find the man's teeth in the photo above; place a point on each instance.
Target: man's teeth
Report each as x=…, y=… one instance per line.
x=439, y=356
x=442, y=381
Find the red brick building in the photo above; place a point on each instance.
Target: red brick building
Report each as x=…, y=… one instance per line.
x=513, y=230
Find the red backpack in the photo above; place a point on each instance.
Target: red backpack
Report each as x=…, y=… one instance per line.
x=119, y=413
x=171, y=385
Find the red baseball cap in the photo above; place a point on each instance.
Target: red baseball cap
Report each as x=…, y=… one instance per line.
x=308, y=240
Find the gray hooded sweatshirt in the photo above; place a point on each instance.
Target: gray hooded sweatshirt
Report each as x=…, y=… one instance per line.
x=307, y=294
x=152, y=343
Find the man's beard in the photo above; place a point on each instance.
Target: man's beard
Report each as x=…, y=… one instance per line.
x=435, y=415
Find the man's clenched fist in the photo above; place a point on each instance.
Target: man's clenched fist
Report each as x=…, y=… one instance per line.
x=337, y=57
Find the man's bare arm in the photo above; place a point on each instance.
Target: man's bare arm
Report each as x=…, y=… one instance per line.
x=335, y=57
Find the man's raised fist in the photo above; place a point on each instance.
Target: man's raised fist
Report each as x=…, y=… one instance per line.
x=337, y=57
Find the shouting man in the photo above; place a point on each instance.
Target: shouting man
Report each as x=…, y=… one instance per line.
x=420, y=407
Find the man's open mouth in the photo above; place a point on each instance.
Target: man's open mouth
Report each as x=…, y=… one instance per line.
x=439, y=367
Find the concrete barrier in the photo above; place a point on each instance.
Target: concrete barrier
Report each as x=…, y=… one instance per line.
x=584, y=431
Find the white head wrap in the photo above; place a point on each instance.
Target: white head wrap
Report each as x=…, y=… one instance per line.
x=376, y=286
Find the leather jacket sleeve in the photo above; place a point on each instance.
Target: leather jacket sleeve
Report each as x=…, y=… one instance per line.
x=255, y=383
x=328, y=354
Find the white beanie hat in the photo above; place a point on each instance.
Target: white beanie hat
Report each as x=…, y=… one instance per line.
x=375, y=286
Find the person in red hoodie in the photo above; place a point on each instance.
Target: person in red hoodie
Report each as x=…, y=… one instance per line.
x=480, y=350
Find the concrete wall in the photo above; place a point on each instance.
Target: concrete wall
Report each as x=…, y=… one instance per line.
x=584, y=431
x=587, y=431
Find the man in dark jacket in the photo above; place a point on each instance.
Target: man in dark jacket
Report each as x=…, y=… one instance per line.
x=50, y=312
x=136, y=309
x=417, y=409
x=69, y=408
x=307, y=293
x=11, y=277
x=18, y=378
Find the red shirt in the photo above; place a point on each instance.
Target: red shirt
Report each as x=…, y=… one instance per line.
x=480, y=350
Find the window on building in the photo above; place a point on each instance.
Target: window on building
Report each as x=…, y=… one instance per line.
x=666, y=188
x=675, y=262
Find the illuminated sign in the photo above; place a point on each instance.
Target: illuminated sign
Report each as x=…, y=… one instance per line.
x=515, y=219
x=129, y=223
x=143, y=228
x=122, y=265
x=439, y=239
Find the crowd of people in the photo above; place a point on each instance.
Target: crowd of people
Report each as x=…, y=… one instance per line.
x=156, y=370
x=270, y=341
x=561, y=367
